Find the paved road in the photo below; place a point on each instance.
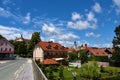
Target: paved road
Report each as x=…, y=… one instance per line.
x=15, y=69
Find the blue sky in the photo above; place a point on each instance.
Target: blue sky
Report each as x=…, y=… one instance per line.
x=64, y=21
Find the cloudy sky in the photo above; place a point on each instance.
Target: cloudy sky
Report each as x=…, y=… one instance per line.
x=64, y=21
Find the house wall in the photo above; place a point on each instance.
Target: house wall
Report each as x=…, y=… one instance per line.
x=38, y=53
x=19, y=40
x=6, y=45
x=49, y=54
x=89, y=54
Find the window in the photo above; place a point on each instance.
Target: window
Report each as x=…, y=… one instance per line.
x=1, y=43
x=48, y=47
x=62, y=47
x=56, y=47
x=10, y=49
x=6, y=44
x=56, y=53
x=1, y=49
x=5, y=49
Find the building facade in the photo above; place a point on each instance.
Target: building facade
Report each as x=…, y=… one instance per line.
x=6, y=49
x=22, y=39
x=49, y=50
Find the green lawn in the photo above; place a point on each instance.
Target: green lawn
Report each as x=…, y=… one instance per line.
x=108, y=71
x=68, y=74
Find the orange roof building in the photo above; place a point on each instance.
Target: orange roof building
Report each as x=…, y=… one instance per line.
x=48, y=50
x=49, y=62
x=96, y=51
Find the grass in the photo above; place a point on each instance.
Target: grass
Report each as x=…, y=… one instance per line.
x=107, y=72
x=110, y=71
x=68, y=74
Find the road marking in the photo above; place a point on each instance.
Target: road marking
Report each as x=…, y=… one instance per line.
x=17, y=73
x=3, y=62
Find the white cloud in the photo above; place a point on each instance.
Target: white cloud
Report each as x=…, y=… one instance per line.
x=7, y=14
x=79, y=25
x=27, y=19
x=12, y=32
x=91, y=34
x=91, y=17
x=106, y=45
x=117, y=4
x=115, y=21
x=82, y=23
x=68, y=36
x=97, y=8
x=50, y=29
x=75, y=16
x=67, y=43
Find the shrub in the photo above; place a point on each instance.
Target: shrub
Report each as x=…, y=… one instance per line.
x=90, y=71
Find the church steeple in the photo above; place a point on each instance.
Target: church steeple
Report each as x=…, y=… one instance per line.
x=75, y=45
x=21, y=36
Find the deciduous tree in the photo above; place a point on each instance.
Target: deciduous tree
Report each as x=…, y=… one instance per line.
x=34, y=40
x=116, y=46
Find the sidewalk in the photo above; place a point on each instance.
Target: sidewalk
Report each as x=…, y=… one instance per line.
x=25, y=72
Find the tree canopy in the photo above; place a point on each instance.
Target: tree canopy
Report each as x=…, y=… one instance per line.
x=83, y=57
x=116, y=40
x=90, y=71
x=1, y=37
x=34, y=40
x=116, y=46
x=20, y=48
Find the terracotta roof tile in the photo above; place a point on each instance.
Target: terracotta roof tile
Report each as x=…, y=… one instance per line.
x=49, y=61
x=97, y=51
x=52, y=46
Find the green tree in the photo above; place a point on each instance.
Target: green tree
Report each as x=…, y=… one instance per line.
x=72, y=57
x=61, y=75
x=90, y=71
x=11, y=41
x=1, y=37
x=34, y=40
x=116, y=45
x=83, y=57
x=20, y=48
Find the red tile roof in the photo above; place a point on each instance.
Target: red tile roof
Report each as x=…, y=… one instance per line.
x=49, y=61
x=97, y=51
x=52, y=46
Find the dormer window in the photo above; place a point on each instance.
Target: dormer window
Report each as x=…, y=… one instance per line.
x=56, y=47
x=48, y=47
x=62, y=47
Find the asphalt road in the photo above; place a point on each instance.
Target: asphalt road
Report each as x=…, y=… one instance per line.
x=8, y=70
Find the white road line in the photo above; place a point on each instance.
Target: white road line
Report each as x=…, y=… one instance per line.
x=17, y=73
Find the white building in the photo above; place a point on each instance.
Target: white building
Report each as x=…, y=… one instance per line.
x=51, y=50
